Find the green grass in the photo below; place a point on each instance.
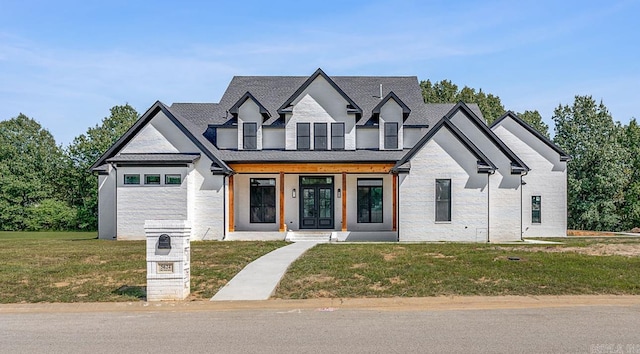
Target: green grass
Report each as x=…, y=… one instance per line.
x=440, y=269
x=74, y=267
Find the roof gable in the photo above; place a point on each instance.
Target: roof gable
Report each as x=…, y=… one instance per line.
x=517, y=165
x=563, y=155
x=484, y=164
x=248, y=96
x=352, y=107
x=392, y=96
x=204, y=145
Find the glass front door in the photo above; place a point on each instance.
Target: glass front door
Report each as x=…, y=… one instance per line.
x=316, y=202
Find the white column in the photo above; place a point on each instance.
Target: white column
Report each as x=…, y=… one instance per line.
x=168, y=259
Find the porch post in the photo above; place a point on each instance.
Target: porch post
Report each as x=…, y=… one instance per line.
x=395, y=202
x=344, y=201
x=231, y=206
x=282, y=226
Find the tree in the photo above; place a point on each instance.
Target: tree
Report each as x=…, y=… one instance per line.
x=30, y=170
x=534, y=119
x=597, y=172
x=84, y=151
x=631, y=207
x=447, y=92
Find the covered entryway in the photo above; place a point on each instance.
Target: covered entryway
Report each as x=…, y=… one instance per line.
x=316, y=202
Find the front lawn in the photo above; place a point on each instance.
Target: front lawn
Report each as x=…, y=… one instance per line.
x=72, y=267
x=581, y=266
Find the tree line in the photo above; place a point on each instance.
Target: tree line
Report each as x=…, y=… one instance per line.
x=44, y=186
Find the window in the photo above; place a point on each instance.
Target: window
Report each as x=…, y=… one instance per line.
x=151, y=179
x=536, y=202
x=320, y=136
x=369, y=200
x=337, y=136
x=303, y=134
x=443, y=200
x=249, y=136
x=173, y=179
x=390, y=135
x=132, y=179
x=263, y=200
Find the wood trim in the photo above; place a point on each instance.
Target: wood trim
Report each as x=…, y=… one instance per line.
x=311, y=167
x=344, y=201
x=395, y=202
x=282, y=226
x=231, y=205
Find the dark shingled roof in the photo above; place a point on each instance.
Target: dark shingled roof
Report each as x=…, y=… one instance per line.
x=153, y=158
x=230, y=156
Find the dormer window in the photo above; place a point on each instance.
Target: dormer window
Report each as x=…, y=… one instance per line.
x=391, y=136
x=303, y=136
x=250, y=136
x=320, y=136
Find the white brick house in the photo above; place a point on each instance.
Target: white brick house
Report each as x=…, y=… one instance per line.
x=354, y=157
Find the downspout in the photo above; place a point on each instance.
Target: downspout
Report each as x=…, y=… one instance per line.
x=488, y=205
x=397, y=176
x=522, y=184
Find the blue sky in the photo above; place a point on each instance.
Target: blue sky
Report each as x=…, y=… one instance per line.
x=65, y=63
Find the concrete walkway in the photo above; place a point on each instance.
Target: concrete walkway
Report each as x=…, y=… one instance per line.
x=259, y=279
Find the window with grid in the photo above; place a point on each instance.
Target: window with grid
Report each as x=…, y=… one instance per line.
x=369, y=200
x=337, y=136
x=262, y=200
x=320, y=136
x=390, y=135
x=536, y=203
x=303, y=136
x=443, y=200
x=250, y=136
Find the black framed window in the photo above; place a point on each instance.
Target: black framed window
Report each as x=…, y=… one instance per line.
x=390, y=135
x=443, y=200
x=303, y=136
x=131, y=179
x=172, y=179
x=370, y=200
x=337, y=136
x=320, y=136
x=152, y=179
x=263, y=200
x=536, y=203
x=250, y=136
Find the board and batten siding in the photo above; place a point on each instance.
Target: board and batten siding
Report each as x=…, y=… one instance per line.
x=443, y=157
x=547, y=179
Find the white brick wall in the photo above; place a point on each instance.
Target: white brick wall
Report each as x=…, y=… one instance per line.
x=443, y=157
x=547, y=179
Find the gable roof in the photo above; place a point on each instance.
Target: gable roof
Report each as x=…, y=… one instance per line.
x=484, y=164
x=392, y=96
x=243, y=99
x=351, y=108
x=184, y=125
x=517, y=165
x=563, y=155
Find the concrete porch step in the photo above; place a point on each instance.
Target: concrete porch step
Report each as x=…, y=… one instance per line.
x=315, y=236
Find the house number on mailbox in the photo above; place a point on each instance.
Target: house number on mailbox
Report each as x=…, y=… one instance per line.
x=165, y=267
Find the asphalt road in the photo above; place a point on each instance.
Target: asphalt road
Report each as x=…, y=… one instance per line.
x=582, y=329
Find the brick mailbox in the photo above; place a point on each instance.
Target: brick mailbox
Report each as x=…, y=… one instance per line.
x=168, y=259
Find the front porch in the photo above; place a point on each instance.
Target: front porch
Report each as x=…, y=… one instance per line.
x=346, y=201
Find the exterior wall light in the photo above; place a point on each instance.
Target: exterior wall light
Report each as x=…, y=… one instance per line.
x=339, y=193
x=293, y=193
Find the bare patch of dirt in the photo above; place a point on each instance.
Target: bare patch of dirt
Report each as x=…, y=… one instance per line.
x=359, y=276
x=378, y=287
x=485, y=280
x=396, y=280
x=321, y=293
x=61, y=284
x=588, y=233
x=598, y=249
x=389, y=256
x=437, y=255
x=359, y=265
x=315, y=278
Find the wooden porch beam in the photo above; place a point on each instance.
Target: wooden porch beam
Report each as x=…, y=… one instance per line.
x=231, y=205
x=344, y=201
x=282, y=226
x=311, y=167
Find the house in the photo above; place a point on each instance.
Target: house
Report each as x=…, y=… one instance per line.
x=346, y=157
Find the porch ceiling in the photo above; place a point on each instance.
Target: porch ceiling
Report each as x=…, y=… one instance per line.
x=311, y=167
